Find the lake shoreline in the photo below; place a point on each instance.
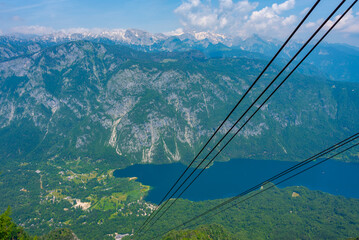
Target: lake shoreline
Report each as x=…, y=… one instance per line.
x=227, y=179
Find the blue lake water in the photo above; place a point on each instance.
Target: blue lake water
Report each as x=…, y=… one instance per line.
x=227, y=179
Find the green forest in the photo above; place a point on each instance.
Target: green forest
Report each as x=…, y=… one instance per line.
x=289, y=213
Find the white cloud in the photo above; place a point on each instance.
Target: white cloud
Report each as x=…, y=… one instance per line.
x=37, y=30
x=83, y=30
x=226, y=3
x=237, y=18
x=313, y=24
x=283, y=7
x=177, y=32
x=42, y=30
x=188, y=5
x=349, y=23
x=304, y=11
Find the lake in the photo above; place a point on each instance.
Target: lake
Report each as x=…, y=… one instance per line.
x=227, y=179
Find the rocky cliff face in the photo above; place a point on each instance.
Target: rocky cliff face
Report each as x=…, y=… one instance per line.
x=106, y=101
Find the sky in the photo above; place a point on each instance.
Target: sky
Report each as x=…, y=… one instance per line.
x=268, y=18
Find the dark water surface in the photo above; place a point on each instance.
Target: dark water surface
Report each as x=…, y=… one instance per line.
x=227, y=179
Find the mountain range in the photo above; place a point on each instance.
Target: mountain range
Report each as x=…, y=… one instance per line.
x=75, y=107
x=335, y=61
x=148, y=103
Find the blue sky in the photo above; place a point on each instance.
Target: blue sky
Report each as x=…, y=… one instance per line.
x=265, y=17
x=153, y=16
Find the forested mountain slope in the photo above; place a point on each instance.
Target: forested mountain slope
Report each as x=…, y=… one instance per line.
x=96, y=100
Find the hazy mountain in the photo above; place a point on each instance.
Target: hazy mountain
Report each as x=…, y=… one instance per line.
x=337, y=62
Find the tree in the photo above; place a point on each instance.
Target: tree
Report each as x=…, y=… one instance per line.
x=6, y=225
x=9, y=230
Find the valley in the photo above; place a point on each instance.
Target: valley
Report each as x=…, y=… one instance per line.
x=72, y=194
x=72, y=112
